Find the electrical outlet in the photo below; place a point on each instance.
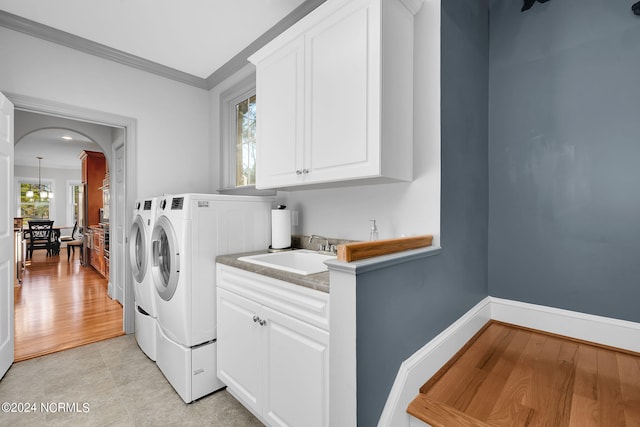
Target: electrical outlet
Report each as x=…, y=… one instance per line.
x=294, y=218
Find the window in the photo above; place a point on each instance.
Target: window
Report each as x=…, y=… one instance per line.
x=245, y=139
x=238, y=118
x=32, y=205
x=73, y=198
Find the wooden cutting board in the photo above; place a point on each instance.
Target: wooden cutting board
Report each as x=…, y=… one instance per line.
x=362, y=250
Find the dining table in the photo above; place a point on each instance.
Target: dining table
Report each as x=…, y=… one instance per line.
x=55, y=236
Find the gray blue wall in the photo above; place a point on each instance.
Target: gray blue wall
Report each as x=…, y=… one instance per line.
x=564, y=155
x=402, y=308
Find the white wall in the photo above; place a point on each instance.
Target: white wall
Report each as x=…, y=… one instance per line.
x=401, y=208
x=172, y=118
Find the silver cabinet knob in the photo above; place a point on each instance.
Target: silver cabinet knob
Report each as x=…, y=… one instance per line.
x=298, y=172
x=305, y=171
x=262, y=322
x=255, y=319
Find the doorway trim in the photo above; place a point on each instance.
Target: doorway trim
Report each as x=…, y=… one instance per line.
x=38, y=105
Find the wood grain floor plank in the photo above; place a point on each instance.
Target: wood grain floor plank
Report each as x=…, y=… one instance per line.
x=587, y=372
x=61, y=305
x=629, y=370
x=466, y=374
x=611, y=408
x=509, y=406
x=434, y=412
x=497, y=380
x=561, y=393
x=529, y=378
x=584, y=412
x=461, y=385
x=494, y=353
x=466, y=355
x=543, y=355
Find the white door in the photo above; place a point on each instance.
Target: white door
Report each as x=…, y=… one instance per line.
x=295, y=372
x=7, y=265
x=240, y=347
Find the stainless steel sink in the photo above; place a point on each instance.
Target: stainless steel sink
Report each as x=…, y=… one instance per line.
x=299, y=261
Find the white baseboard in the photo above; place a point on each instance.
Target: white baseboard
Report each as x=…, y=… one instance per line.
x=588, y=327
x=424, y=363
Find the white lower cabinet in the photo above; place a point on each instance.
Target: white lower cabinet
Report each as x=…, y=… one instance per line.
x=240, y=348
x=272, y=355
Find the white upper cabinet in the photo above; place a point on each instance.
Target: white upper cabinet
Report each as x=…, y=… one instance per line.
x=279, y=86
x=335, y=97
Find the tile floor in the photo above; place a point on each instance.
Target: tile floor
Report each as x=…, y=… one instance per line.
x=118, y=385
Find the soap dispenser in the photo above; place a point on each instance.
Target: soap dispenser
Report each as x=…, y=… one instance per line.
x=373, y=234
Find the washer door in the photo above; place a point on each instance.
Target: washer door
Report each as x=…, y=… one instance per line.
x=138, y=249
x=166, y=258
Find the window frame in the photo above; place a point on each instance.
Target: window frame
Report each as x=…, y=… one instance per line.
x=34, y=182
x=70, y=211
x=239, y=92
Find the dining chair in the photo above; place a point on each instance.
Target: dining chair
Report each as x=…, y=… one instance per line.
x=73, y=234
x=73, y=241
x=40, y=236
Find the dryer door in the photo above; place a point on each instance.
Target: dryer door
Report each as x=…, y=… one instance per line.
x=166, y=258
x=138, y=249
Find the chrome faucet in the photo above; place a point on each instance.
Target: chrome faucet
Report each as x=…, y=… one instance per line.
x=326, y=247
x=315, y=236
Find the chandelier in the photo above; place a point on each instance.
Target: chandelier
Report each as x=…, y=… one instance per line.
x=43, y=193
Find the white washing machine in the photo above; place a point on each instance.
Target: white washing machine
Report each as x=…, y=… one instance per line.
x=144, y=215
x=188, y=235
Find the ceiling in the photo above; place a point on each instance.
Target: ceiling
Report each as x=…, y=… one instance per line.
x=55, y=151
x=196, y=37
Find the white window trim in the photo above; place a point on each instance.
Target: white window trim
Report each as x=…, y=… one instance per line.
x=228, y=101
x=34, y=181
x=69, y=199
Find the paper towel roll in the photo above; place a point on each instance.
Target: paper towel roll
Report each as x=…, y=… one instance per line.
x=280, y=228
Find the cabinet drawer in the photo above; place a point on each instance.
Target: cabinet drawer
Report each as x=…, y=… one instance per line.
x=97, y=240
x=305, y=304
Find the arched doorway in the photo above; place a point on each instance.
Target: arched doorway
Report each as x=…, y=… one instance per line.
x=122, y=159
x=64, y=301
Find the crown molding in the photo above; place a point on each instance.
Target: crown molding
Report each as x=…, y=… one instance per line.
x=240, y=60
x=45, y=32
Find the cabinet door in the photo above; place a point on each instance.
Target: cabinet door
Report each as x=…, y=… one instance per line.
x=240, y=348
x=342, y=96
x=296, y=372
x=279, y=100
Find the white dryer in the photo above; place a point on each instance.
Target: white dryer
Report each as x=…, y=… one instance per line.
x=187, y=236
x=144, y=215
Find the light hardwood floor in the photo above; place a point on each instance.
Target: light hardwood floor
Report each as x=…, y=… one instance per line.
x=61, y=305
x=510, y=376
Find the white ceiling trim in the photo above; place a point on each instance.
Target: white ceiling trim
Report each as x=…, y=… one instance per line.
x=240, y=60
x=45, y=32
